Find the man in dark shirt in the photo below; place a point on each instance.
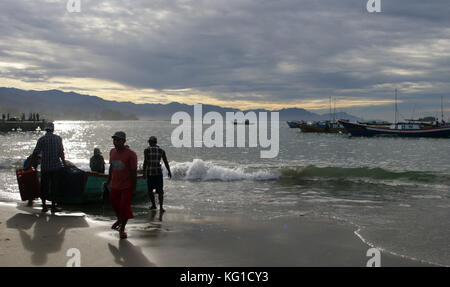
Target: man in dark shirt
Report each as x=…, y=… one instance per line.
x=152, y=171
x=51, y=148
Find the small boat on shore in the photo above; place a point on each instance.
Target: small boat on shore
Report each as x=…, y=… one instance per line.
x=78, y=186
x=410, y=129
x=91, y=190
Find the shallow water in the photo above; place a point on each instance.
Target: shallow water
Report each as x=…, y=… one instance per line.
x=395, y=191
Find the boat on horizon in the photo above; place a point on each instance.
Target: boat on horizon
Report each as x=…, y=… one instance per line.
x=246, y=122
x=293, y=124
x=322, y=127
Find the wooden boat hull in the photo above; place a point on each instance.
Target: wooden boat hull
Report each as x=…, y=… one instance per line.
x=316, y=129
x=292, y=124
x=370, y=131
x=87, y=187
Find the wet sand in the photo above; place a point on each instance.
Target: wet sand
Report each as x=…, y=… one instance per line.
x=30, y=238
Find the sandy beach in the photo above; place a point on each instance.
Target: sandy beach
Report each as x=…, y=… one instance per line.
x=30, y=238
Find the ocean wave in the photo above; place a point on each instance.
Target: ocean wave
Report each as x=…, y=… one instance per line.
x=200, y=170
x=362, y=173
x=208, y=171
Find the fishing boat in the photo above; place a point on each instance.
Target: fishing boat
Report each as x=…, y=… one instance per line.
x=322, y=127
x=408, y=129
x=293, y=124
x=92, y=191
x=78, y=187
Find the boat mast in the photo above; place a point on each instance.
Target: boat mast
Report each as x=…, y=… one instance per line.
x=330, y=109
x=395, y=116
x=442, y=109
x=334, y=112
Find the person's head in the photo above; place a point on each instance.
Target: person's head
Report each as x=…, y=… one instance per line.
x=50, y=127
x=97, y=151
x=119, y=139
x=152, y=141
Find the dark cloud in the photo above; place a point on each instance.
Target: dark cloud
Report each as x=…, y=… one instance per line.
x=279, y=50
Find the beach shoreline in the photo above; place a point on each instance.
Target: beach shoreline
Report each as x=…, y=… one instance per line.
x=176, y=239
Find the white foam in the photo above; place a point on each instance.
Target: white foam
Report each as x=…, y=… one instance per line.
x=208, y=171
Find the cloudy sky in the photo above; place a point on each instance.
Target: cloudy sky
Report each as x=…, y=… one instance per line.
x=235, y=53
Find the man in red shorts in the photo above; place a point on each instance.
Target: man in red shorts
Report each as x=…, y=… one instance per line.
x=122, y=176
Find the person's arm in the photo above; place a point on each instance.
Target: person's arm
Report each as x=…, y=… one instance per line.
x=62, y=155
x=133, y=176
x=166, y=163
x=133, y=172
x=63, y=158
x=144, y=167
x=109, y=176
x=103, y=165
x=110, y=172
x=34, y=156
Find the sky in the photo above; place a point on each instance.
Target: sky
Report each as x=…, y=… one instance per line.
x=244, y=54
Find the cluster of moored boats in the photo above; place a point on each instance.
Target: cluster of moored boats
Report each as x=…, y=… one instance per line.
x=410, y=128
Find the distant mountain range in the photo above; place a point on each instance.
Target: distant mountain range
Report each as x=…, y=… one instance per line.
x=59, y=105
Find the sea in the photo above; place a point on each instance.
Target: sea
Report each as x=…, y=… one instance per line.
x=394, y=191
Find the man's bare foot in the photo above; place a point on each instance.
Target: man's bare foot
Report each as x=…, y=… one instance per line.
x=123, y=235
x=116, y=225
x=153, y=207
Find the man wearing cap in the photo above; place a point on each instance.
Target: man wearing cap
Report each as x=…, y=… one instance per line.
x=152, y=171
x=122, y=176
x=97, y=162
x=51, y=148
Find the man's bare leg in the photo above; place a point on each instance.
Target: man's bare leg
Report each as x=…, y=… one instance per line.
x=122, y=232
x=161, y=200
x=152, y=199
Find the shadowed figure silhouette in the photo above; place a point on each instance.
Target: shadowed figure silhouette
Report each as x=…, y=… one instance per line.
x=48, y=233
x=129, y=255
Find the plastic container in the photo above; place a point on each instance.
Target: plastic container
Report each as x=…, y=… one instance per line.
x=28, y=182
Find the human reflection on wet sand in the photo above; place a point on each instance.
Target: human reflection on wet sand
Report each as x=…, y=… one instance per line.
x=129, y=255
x=48, y=233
